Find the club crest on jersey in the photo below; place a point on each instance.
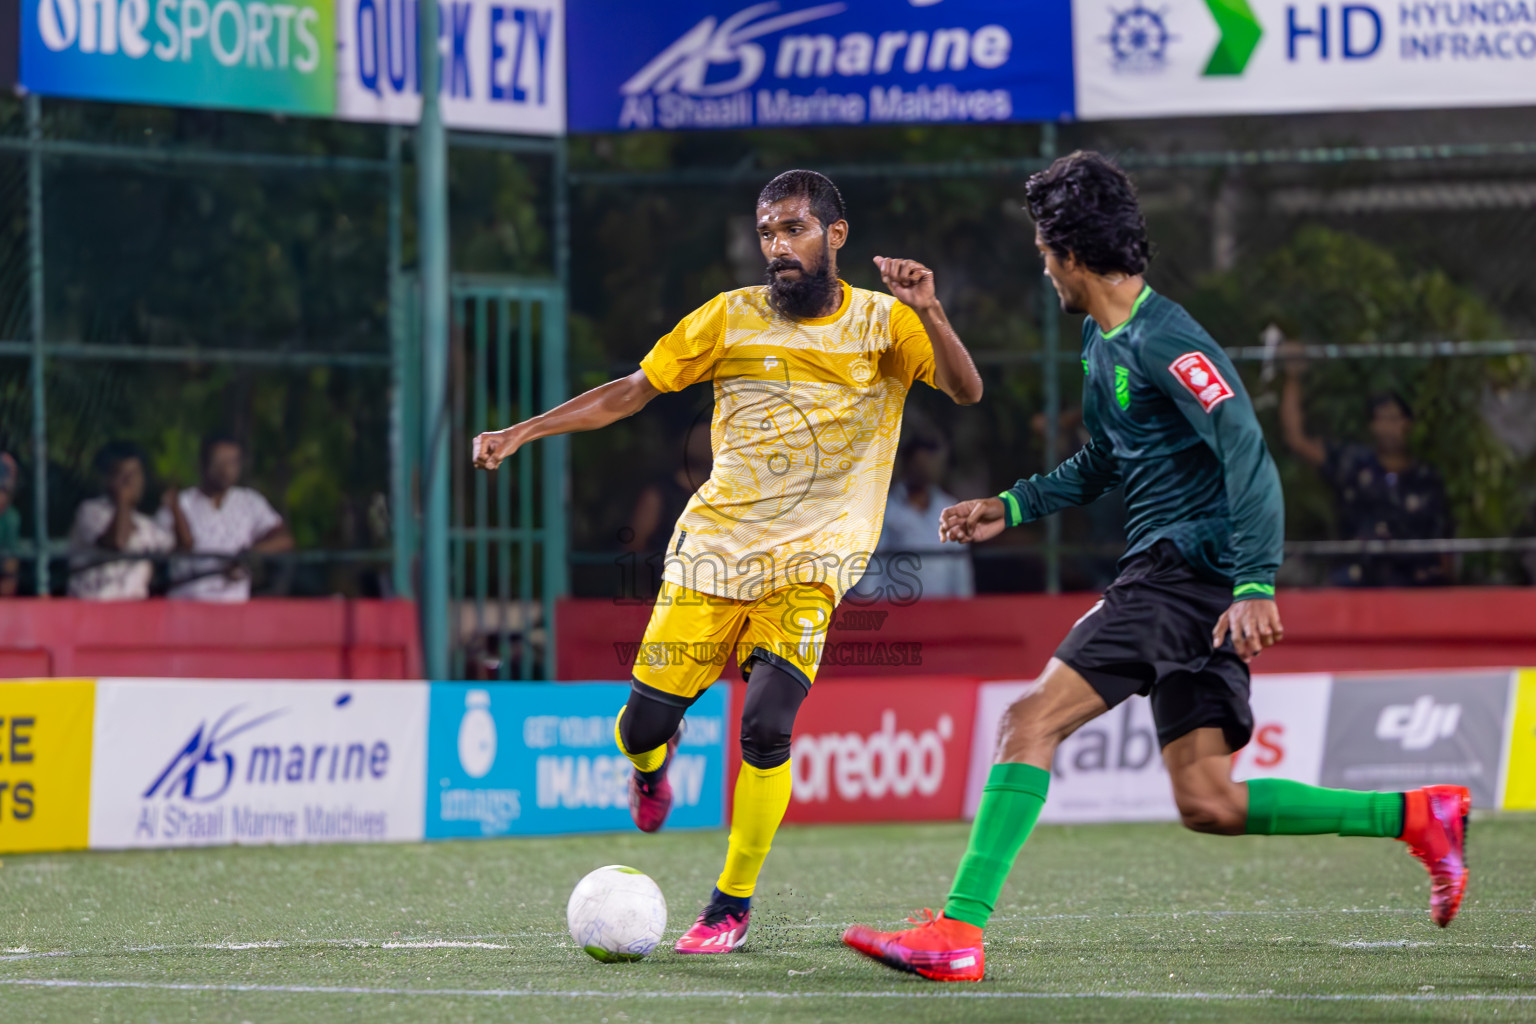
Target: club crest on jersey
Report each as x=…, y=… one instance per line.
x=1196, y=372
x=1123, y=387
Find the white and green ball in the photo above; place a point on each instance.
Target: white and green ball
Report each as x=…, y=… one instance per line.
x=616, y=914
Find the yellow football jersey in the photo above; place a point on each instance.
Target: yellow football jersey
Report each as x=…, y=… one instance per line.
x=807, y=419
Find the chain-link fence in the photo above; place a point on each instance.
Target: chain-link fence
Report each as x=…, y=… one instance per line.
x=198, y=272
x=167, y=274
x=1392, y=247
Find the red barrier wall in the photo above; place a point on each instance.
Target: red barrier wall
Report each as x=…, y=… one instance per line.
x=1010, y=637
x=321, y=638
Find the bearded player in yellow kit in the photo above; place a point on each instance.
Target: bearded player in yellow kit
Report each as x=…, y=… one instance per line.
x=810, y=376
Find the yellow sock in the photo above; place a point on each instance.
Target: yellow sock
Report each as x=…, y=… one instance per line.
x=646, y=760
x=762, y=797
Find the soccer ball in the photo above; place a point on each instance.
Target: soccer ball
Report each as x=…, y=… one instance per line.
x=616, y=914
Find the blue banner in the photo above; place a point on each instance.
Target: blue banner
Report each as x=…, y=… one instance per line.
x=733, y=64
x=240, y=54
x=507, y=759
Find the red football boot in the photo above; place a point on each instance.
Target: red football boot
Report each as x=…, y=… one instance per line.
x=720, y=929
x=1435, y=829
x=939, y=948
x=651, y=802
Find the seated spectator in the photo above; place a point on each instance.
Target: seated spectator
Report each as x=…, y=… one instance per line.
x=910, y=556
x=10, y=528
x=110, y=526
x=220, y=519
x=1381, y=491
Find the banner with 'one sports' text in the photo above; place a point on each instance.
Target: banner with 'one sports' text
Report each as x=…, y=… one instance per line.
x=251, y=54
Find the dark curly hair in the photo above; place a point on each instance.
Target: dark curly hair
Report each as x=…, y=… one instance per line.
x=1086, y=206
x=114, y=452
x=825, y=201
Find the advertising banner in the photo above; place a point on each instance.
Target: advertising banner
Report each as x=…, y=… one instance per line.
x=1274, y=56
x=10, y=44
x=540, y=759
x=1290, y=717
x=1112, y=768
x=1404, y=731
x=45, y=764
x=1109, y=770
x=882, y=750
x=503, y=64
x=246, y=54
x=786, y=63
x=1519, y=787
x=205, y=762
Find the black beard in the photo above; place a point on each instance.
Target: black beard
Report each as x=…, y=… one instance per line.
x=808, y=297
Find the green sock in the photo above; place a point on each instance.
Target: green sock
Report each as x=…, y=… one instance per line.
x=1279, y=807
x=1010, y=805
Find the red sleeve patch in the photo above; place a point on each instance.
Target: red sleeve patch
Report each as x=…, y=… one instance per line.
x=1203, y=380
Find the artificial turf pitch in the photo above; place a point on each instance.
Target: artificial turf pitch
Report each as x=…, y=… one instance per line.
x=1126, y=923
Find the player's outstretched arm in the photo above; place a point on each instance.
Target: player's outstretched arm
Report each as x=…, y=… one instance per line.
x=954, y=373
x=599, y=407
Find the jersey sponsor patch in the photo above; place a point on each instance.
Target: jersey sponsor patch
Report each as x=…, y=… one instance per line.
x=1203, y=380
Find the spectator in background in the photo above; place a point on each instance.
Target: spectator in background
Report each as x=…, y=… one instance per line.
x=660, y=504
x=10, y=528
x=1381, y=491
x=220, y=519
x=909, y=542
x=110, y=526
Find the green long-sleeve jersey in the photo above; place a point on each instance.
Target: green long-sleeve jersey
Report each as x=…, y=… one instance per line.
x=1168, y=418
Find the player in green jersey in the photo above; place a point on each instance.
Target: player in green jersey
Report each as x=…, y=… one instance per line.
x=1194, y=601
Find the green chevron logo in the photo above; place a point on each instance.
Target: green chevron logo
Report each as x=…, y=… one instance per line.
x=1240, y=32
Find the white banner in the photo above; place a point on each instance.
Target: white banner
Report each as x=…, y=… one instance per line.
x=1275, y=56
x=1112, y=768
x=204, y=763
x=503, y=64
x=1290, y=720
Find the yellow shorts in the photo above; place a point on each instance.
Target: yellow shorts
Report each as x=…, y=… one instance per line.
x=692, y=636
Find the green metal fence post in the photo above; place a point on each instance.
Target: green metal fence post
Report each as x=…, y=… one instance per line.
x=1050, y=340
x=432, y=248
x=557, y=484
x=402, y=509
x=39, y=406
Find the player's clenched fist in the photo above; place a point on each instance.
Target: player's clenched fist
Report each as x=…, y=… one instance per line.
x=908, y=280
x=971, y=521
x=492, y=447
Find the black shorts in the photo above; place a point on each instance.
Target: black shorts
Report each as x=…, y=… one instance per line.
x=1151, y=634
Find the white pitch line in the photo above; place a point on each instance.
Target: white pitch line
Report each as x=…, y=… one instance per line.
x=1176, y=914
x=442, y=944
x=511, y=993
x=29, y=955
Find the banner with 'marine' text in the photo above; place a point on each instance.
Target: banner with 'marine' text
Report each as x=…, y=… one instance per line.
x=787, y=63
